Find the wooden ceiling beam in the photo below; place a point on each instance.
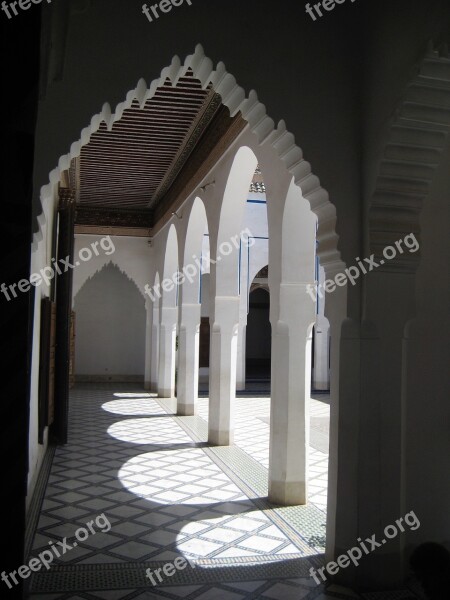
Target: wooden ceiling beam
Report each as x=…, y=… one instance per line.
x=220, y=134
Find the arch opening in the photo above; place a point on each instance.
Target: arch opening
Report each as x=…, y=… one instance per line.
x=229, y=283
x=110, y=328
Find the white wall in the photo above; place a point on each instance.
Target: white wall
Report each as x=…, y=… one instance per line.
x=110, y=328
x=110, y=309
x=133, y=256
x=205, y=295
x=255, y=218
x=321, y=371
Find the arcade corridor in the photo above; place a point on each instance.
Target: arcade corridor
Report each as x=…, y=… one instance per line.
x=166, y=493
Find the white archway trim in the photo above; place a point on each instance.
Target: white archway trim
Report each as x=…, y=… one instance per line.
x=130, y=256
x=406, y=173
x=195, y=228
x=256, y=268
x=89, y=276
x=253, y=111
x=170, y=265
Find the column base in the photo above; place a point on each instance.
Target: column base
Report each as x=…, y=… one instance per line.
x=321, y=386
x=147, y=386
x=186, y=410
x=287, y=493
x=166, y=393
x=220, y=438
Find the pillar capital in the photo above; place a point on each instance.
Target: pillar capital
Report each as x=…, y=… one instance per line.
x=293, y=304
x=226, y=312
x=169, y=316
x=190, y=315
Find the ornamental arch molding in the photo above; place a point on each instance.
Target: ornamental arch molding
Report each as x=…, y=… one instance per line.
x=169, y=255
x=416, y=141
x=87, y=277
x=276, y=137
x=81, y=277
x=196, y=226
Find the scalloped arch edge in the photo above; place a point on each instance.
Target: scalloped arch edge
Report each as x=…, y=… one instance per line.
x=236, y=100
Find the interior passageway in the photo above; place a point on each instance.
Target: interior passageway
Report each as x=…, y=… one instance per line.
x=167, y=493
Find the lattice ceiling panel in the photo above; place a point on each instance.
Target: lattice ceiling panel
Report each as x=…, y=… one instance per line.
x=133, y=165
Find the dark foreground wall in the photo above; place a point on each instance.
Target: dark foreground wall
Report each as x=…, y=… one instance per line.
x=20, y=71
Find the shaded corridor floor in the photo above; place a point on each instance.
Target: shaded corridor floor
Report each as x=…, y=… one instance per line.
x=167, y=494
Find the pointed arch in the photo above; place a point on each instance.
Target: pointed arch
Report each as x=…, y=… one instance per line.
x=237, y=101
x=111, y=317
x=88, y=276
x=197, y=227
x=231, y=219
x=170, y=269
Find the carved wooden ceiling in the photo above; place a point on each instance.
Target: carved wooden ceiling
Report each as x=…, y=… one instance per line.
x=132, y=175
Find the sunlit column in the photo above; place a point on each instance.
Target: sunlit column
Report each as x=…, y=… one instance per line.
x=155, y=350
x=148, y=343
x=222, y=369
x=167, y=338
x=188, y=359
x=291, y=376
x=241, y=355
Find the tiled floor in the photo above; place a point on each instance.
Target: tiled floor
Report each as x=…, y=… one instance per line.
x=167, y=494
x=252, y=436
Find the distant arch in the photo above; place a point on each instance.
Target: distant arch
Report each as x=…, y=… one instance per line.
x=196, y=229
x=110, y=327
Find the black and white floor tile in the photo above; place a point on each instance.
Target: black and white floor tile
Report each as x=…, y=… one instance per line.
x=166, y=494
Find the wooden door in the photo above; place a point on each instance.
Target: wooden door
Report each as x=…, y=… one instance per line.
x=204, y=342
x=72, y=351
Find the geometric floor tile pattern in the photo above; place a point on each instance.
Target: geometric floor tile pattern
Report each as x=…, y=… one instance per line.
x=252, y=436
x=165, y=494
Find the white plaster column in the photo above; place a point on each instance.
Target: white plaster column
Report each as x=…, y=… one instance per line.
x=166, y=371
x=321, y=349
x=188, y=359
x=241, y=353
x=243, y=314
x=291, y=376
x=154, y=368
x=345, y=339
x=321, y=373
x=148, y=343
x=222, y=369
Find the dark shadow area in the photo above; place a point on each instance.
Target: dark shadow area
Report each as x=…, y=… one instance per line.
x=431, y=565
x=258, y=337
